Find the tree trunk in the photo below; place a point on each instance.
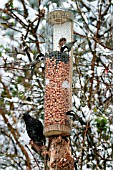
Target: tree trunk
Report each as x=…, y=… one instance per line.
x=60, y=154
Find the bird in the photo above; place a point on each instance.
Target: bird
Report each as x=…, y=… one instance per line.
x=37, y=60
x=70, y=113
x=34, y=129
x=74, y=117
x=67, y=46
x=62, y=41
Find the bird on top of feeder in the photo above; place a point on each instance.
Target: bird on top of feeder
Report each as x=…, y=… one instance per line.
x=62, y=41
x=34, y=129
x=67, y=46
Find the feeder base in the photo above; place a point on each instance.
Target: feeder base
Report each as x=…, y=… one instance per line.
x=57, y=129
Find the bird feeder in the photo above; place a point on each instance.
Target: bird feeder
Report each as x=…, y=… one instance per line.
x=58, y=76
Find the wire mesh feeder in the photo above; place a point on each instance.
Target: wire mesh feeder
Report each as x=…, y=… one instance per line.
x=59, y=24
x=58, y=77
x=57, y=94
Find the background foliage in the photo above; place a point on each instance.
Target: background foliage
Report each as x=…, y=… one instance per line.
x=23, y=36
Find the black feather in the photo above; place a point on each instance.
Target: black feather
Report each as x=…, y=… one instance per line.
x=34, y=129
x=67, y=46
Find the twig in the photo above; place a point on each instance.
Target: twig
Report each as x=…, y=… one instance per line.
x=33, y=157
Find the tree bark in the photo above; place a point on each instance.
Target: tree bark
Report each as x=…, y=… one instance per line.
x=60, y=157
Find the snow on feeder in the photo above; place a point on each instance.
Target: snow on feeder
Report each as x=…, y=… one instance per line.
x=58, y=75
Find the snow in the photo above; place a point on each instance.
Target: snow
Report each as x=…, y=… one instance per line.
x=24, y=136
x=76, y=100
x=25, y=105
x=78, y=27
x=85, y=167
x=86, y=112
x=47, y=81
x=5, y=38
x=2, y=3
x=100, y=70
x=65, y=84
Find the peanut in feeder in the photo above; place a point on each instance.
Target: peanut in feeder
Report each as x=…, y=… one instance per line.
x=58, y=75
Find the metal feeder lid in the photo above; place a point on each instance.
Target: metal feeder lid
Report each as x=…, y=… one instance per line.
x=59, y=17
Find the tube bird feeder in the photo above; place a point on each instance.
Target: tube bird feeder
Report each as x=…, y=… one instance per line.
x=58, y=76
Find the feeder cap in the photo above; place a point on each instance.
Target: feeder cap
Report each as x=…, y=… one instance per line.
x=59, y=17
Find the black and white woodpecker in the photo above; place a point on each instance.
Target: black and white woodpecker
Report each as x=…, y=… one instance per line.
x=67, y=46
x=75, y=117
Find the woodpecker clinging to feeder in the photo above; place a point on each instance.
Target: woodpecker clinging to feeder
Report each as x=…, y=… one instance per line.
x=34, y=129
x=67, y=46
x=70, y=113
x=76, y=117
